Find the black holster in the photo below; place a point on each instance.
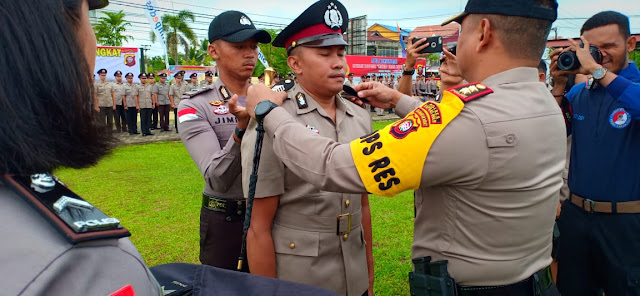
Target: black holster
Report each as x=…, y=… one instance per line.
x=431, y=278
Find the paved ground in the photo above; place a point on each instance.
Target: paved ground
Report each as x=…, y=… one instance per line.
x=158, y=136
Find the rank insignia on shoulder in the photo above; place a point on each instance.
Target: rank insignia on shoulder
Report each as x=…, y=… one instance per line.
x=224, y=92
x=192, y=93
x=471, y=91
x=284, y=85
x=301, y=100
x=75, y=218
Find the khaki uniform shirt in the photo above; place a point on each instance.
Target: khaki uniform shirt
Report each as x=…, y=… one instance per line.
x=38, y=260
x=192, y=86
x=144, y=96
x=162, y=89
x=307, y=216
x=118, y=91
x=103, y=91
x=177, y=91
x=208, y=138
x=489, y=186
x=130, y=92
x=204, y=83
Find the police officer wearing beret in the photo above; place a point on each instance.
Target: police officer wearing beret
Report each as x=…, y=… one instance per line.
x=154, y=111
x=131, y=104
x=146, y=103
x=118, y=92
x=105, y=99
x=293, y=223
x=486, y=185
x=175, y=95
x=212, y=134
x=193, y=82
x=160, y=92
x=208, y=79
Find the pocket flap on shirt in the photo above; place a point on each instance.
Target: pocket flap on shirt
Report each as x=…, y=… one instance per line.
x=295, y=242
x=506, y=140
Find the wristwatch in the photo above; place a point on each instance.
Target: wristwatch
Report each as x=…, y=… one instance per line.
x=599, y=73
x=263, y=108
x=240, y=132
x=408, y=73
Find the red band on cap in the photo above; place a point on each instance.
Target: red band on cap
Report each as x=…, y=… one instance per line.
x=314, y=30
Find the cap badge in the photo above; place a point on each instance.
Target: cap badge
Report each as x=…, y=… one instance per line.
x=301, y=100
x=333, y=17
x=245, y=21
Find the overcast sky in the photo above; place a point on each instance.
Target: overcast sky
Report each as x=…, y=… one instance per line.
x=276, y=14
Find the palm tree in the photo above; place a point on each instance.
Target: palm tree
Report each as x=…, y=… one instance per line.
x=200, y=54
x=177, y=32
x=110, y=29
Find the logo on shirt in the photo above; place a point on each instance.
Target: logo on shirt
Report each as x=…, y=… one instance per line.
x=619, y=118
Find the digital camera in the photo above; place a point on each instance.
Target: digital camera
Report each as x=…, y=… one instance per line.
x=569, y=61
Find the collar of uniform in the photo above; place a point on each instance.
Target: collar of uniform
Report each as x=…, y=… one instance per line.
x=313, y=105
x=520, y=74
x=216, y=87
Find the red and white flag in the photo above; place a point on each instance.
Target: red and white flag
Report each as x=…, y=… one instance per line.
x=187, y=114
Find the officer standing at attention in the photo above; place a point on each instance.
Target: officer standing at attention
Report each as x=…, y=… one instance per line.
x=293, y=223
x=154, y=112
x=118, y=92
x=131, y=104
x=146, y=103
x=105, y=99
x=208, y=79
x=212, y=134
x=160, y=92
x=486, y=185
x=193, y=82
x=175, y=95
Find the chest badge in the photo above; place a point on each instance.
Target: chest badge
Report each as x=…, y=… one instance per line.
x=224, y=92
x=619, y=118
x=301, y=100
x=216, y=103
x=221, y=110
x=313, y=129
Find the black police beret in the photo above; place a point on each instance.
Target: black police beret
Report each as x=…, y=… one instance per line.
x=102, y=71
x=523, y=8
x=208, y=73
x=235, y=26
x=118, y=72
x=142, y=75
x=322, y=24
x=193, y=75
x=163, y=75
x=129, y=75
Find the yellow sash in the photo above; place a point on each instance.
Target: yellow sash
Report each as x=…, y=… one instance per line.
x=390, y=161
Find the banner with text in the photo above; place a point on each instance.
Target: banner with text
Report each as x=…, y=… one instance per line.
x=125, y=59
x=361, y=65
x=154, y=16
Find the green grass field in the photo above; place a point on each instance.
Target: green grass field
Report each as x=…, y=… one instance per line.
x=155, y=190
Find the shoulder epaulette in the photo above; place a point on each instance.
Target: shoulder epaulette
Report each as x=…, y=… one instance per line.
x=471, y=91
x=72, y=216
x=194, y=92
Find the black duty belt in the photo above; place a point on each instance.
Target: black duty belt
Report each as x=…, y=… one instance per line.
x=224, y=205
x=533, y=285
x=627, y=207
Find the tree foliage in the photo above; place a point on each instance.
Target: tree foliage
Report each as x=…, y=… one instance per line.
x=177, y=32
x=110, y=29
x=276, y=57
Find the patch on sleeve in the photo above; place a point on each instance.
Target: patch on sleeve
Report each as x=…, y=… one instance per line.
x=187, y=114
x=471, y=91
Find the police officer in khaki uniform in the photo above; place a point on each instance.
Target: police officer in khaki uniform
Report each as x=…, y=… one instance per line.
x=160, y=92
x=146, y=104
x=208, y=79
x=293, y=224
x=105, y=99
x=118, y=92
x=193, y=82
x=212, y=135
x=486, y=162
x=175, y=95
x=131, y=104
x=154, y=111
